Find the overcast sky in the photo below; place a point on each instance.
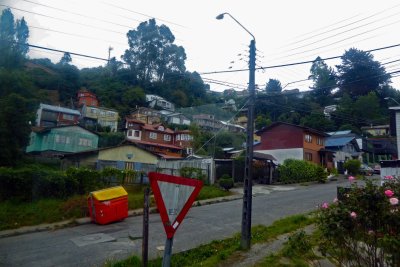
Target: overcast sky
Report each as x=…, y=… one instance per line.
x=285, y=31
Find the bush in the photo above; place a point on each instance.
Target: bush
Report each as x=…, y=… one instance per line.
x=226, y=182
x=297, y=171
x=194, y=173
x=352, y=166
x=362, y=228
x=34, y=182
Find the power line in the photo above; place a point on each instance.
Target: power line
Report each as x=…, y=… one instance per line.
x=61, y=19
x=78, y=14
x=297, y=63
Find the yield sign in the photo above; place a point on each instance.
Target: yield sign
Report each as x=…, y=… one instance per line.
x=174, y=196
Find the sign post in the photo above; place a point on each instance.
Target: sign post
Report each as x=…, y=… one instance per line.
x=174, y=196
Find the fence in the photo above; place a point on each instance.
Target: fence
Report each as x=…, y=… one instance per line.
x=173, y=167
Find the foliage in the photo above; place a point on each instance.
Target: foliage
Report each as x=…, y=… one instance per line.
x=33, y=182
x=363, y=227
x=298, y=245
x=296, y=171
x=152, y=52
x=15, y=115
x=352, y=166
x=13, y=39
x=359, y=73
x=273, y=86
x=218, y=251
x=324, y=81
x=192, y=172
x=211, y=191
x=226, y=182
x=110, y=139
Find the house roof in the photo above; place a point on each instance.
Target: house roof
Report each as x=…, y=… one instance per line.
x=39, y=129
x=155, y=144
x=60, y=109
x=311, y=130
x=338, y=141
x=265, y=156
x=340, y=132
x=154, y=127
x=94, y=151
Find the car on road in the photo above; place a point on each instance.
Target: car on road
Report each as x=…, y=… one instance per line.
x=377, y=169
x=366, y=170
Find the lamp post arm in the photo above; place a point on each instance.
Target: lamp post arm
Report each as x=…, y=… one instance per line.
x=226, y=13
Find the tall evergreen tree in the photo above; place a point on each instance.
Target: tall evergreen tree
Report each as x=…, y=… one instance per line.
x=273, y=86
x=360, y=74
x=324, y=82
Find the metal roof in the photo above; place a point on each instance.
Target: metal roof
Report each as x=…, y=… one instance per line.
x=337, y=141
x=60, y=109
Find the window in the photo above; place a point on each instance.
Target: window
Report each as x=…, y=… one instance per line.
x=153, y=135
x=62, y=139
x=308, y=138
x=85, y=142
x=136, y=134
x=130, y=133
x=161, y=128
x=189, y=151
x=320, y=141
x=167, y=137
x=308, y=156
x=178, y=137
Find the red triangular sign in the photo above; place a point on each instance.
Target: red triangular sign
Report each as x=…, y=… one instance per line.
x=174, y=196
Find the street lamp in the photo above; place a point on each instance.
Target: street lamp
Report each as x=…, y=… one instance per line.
x=394, y=100
x=248, y=175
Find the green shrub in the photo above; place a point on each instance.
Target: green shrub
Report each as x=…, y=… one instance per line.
x=195, y=173
x=362, y=228
x=352, y=166
x=226, y=182
x=297, y=171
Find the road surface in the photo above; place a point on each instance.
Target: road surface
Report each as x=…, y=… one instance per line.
x=93, y=245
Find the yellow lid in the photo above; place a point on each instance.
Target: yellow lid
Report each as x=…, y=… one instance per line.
x=109, y=193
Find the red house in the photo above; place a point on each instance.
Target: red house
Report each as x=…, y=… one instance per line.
x=285, y=140
x=87, y=98
x=158, y=139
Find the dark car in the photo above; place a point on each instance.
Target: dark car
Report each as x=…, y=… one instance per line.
x=366, y=170
x=377, y=169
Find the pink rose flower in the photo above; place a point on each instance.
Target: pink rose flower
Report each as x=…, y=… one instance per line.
x=325, y=205
x=335, y=200
x=389, y=193
x=353, y=215
x=351, y=178
x=389, y=177
x=394, y=201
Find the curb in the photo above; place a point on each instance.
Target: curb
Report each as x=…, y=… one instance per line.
x=87, y=220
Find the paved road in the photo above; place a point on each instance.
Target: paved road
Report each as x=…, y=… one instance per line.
x=92, y=245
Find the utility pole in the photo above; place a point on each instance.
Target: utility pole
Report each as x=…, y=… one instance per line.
x=248, y=172
x=248, y=175
x=109, y=54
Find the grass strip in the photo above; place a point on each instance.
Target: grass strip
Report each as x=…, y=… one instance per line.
x=217, y=251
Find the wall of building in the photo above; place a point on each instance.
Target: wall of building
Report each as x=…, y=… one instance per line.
x=128, y=153
x=281, y=137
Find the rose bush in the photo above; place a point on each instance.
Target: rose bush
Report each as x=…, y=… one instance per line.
x=363, y=227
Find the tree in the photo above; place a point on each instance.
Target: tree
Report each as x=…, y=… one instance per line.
x=360, y=74
x=15, y=114
x=152, y=53
x=273, y=86
x=324, y=81
x=13, y=40
x=66, y=59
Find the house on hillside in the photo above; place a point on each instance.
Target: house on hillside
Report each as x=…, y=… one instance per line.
x=106, y=117
x=51, y=116
x=377, y=130
x=288, y=141
x=158, y=139
x=155, y=101
x=146, y=115
x=61, y=140
x=124, y=157
x=346, y=147
x=93, y=114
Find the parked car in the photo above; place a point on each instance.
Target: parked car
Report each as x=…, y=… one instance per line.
x=377, y=169
x=366, y=170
